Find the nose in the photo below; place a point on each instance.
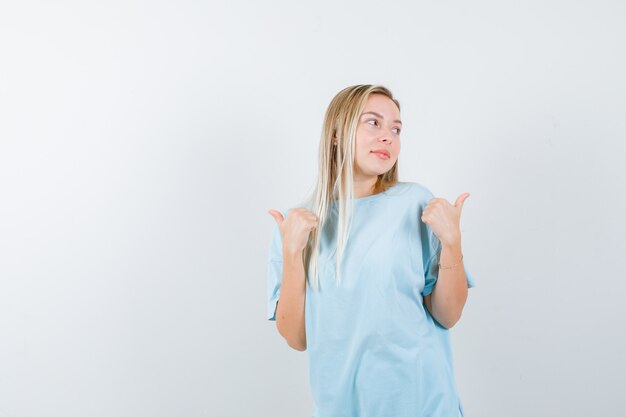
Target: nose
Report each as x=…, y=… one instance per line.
x=387, y=136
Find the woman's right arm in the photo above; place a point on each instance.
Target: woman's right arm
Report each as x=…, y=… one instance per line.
x=295, y=230
x=290, y=307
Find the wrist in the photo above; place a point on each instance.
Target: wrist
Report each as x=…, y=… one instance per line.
x=452, y=241
x=292, y=254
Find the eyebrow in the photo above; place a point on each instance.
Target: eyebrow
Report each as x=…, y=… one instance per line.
x=379, y=115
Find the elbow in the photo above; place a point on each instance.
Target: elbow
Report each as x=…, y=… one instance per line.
x=450, y=321
x=299, y=346
x=293, y=342
x=448, y=324
x=447, y=317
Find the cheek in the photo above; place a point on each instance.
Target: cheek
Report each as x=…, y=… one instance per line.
x=362, y=143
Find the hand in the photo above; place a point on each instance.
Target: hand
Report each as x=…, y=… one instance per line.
x=444, y=218
x=295, y=229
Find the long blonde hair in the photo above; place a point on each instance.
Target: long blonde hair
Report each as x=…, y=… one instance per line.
x=336, y=170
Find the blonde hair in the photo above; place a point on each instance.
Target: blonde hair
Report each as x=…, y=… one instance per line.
x=336, y=170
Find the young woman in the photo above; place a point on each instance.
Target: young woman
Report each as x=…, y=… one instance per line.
x=367, y=275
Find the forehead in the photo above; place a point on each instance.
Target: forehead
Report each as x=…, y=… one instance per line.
x=382, y=104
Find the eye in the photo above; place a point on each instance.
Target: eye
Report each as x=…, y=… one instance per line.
x=376, y=122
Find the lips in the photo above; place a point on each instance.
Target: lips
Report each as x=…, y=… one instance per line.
x=383, y=152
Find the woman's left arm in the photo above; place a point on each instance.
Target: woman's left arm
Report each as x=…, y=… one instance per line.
x=445, y=303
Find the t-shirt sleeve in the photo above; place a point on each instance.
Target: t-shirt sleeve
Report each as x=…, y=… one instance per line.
x=431, y=251
x=274, y=271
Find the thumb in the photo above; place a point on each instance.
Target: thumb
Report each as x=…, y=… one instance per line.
x=277, y=215
x=460, y=200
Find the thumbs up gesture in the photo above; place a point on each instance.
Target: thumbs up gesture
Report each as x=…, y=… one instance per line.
x=444, y=218
x=295, y=228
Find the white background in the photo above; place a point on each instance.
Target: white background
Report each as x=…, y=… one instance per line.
x=142, y=143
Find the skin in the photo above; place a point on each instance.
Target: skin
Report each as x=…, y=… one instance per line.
x=449, y=294
x=375, y=133
x=445, y=303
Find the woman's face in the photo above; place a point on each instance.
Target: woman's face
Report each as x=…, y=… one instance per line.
x=378, y=130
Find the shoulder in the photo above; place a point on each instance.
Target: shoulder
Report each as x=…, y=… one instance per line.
x=420, y=191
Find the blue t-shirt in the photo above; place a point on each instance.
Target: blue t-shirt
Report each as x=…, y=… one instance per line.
x=373, y=348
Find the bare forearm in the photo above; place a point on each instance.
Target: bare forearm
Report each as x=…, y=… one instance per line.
x=290, y=308
x=450, y=291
